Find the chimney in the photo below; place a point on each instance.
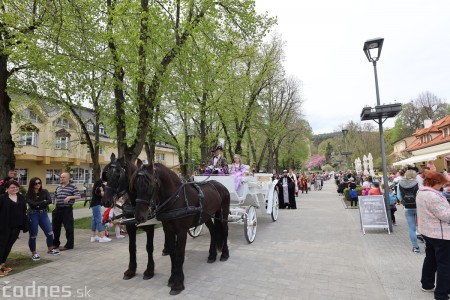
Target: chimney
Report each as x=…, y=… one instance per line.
x=427, y=123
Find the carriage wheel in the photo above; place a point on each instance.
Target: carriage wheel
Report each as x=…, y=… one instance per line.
x=195, y=231
x=275, y=205
x=250, y=224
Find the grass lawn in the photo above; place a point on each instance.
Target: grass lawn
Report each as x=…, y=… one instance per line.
x=20, y=262
x=85, y=223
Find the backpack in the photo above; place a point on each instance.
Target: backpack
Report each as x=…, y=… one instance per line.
x=365, y=192
x=353, y=194
x=409, y=196
x=106, y=215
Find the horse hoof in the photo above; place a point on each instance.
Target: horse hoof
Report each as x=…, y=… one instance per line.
x=147, y=277
x=223, y=258
x=210, y=261
x=174, y=292
x=127, y=277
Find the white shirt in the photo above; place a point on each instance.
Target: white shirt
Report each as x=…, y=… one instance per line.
x=419, y=180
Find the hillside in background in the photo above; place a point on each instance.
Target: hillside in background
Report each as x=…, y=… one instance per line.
x=319, y=138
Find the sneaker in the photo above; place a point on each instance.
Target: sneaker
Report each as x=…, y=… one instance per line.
x=54, y=252
x=120, y=236
x=416, y=250
x=95, y=238
x=6, y=269
x=36, y=257
x=104, y=239
x=3, y=273
x=428, y=290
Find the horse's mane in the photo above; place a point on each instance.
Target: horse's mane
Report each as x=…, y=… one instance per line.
x=141, y=179
x=152, y=176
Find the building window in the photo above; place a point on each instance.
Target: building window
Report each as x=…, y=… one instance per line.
x=62, y=122
x=33, y=117
x=28, y=139
x=30, y=115
x=428, y=138
x=159, y=156
x=23, y=176
x=87, y=176
x=101, y=129
x=446, y=131
x=79, y=175
x=90, y=127
x=62, y=142
x=421, y=139
x=52, y=176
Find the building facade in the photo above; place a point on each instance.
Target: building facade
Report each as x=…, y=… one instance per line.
x=49, y=141
x=430, y=146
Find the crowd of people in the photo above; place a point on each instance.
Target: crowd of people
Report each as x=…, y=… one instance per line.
x=425, y=196
x=27, y=212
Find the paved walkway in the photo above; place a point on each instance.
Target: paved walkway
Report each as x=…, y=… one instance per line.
x=315, y=252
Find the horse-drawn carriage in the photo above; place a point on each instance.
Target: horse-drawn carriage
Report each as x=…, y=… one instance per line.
x=256, y=191
x=157, y=191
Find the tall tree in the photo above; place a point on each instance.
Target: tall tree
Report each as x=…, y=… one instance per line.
x=140, y=72
x=19, y=21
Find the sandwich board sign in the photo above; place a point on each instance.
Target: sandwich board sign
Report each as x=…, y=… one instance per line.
x=372, y=211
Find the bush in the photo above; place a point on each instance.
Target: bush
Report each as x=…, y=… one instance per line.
x=358, y=191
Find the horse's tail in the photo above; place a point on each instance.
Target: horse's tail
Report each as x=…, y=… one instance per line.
x=221, y=222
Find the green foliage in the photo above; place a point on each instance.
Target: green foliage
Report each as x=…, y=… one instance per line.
x=347, y=191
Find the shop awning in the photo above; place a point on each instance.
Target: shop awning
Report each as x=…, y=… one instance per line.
x=420, y=158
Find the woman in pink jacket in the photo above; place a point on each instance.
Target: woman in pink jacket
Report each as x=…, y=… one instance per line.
x=433, y=213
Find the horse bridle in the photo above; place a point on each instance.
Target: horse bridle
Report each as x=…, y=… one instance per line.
x=116, y=190
x=149, y=202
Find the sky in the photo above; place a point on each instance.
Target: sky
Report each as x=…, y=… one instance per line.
x=324, y=42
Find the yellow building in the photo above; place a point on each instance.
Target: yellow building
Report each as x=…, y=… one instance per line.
x=49, y=141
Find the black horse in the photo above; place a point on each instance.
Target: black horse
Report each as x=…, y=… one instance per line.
x=180, y=206
x=116, y=175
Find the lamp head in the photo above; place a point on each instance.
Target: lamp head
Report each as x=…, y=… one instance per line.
x=372, y=49
x=344, y=132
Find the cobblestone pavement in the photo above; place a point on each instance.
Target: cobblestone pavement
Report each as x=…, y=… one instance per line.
x=315, y=252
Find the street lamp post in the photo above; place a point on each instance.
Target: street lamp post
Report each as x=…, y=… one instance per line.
x=346, y=153
x=372, y=49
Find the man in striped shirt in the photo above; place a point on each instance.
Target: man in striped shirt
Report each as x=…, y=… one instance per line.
x=65, y=196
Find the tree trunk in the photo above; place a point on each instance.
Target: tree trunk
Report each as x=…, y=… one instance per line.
x=7, y=157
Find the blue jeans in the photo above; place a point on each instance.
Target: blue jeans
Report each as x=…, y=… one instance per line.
x=410, y=214
x=36, y=219
x=437, y=260
x=97, y=218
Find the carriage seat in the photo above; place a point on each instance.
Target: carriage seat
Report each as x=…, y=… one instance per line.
x=236, y=197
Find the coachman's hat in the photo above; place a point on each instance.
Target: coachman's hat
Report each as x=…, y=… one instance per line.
x=218, y=147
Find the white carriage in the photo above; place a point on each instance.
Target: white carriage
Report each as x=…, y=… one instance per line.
x=256, y=191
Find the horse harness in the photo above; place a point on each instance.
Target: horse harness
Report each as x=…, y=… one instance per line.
x=165, y=212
